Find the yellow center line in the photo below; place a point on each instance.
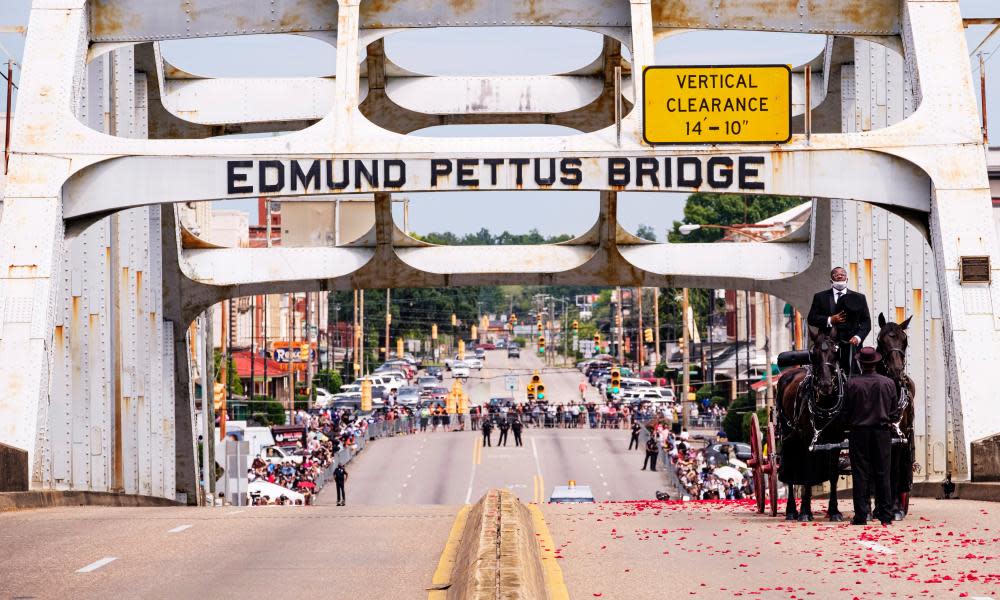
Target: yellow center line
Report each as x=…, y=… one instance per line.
x=446, y=564
x=554, y=583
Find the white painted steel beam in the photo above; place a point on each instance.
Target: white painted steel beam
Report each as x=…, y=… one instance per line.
x=136, y=20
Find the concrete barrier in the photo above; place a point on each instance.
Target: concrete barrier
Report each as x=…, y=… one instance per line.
x=52, y=499
x=13, y=469
x=498, y=555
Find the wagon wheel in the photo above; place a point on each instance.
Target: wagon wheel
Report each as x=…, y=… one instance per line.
x=756, y=462
x=772, y=469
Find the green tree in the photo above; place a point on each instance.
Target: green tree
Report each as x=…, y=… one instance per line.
x=646, y=232
x=234, y=378
x=726, y=209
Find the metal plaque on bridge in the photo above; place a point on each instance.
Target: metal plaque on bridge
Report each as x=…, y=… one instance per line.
x=975, y=269
x=717, y=105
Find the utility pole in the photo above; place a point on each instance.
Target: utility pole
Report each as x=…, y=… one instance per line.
x=621, y=329
x=253, y=352
x=361, y=328
x=656, y=326
x=769, y=394
x=686, y=376
x=355, y=366
x=267, y=244
x=388, y=322
x=640, y=341
x=982, y=91
x=309, y=355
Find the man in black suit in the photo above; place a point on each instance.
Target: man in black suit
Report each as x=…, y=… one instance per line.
x=844, y=310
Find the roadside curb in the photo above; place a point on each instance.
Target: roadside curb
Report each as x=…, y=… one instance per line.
x=964, y=490
x=15, y=501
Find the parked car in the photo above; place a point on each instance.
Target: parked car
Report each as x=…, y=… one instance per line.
x=487, y=346
x=323, y=398
x=426, y=381
x=651, y=377
x=408, y=395
x=435, y=372
x=460, y=369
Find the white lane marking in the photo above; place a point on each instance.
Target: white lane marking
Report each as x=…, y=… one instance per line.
x=97, y=564
x=472, y=478
x=179, y=528
x=534, y=451
x=235, y=512
x=875, y=547
x=605, y=484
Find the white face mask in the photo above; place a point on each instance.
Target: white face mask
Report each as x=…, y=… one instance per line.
x=839, y=285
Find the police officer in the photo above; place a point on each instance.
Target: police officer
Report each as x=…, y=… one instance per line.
x=845, y=310
x=504, y=428
x=871, y=408
x=636, y=428
x=516, y=427
x=487, y=431
x=652, y=451
x=340, y=478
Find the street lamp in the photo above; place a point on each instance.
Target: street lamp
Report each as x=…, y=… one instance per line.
x=688, y=228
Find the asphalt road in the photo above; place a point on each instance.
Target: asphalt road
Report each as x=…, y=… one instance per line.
x=262, y=552
x=444, y=467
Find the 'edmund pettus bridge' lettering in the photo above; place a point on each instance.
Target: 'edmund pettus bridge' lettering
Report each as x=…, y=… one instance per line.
x=305, y=176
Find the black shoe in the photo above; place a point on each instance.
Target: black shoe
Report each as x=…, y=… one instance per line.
x=857, y=521
x=644, y=468
x=886, y=523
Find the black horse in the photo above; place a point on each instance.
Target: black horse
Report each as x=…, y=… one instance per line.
x=892, y=343
x=809, y=402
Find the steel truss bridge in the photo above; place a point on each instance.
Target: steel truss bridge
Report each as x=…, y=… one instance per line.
x=97, y=291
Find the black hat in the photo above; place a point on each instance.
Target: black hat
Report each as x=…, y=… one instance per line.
x=869, y=355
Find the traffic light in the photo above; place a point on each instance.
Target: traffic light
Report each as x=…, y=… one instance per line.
x=539, y=325
x=647, y=335
x=434, y=331
x=541, y=344
x=366, y=395
x=682, y=345
x=304, y=352
x=618, y=319
x=474, y=332
x=540, y=391
x=616, y=381
x=454, y=320
x=461, y=350
x=576, y=326
x=399, y=347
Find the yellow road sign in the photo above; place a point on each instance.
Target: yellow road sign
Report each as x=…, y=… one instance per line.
x=717, y=105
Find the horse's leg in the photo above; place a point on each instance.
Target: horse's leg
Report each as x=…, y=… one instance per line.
x=895, y=458
x=790, y=513
x=806, y=514
x=833, y=509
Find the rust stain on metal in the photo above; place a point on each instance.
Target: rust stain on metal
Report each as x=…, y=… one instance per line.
x=108, y=19
x=58, y=341
x=372, y=11
x=462, y=7
x=868, y=271
x=918, y=301
x=900, y=314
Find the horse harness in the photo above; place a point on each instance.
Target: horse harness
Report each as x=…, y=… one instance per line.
x=808, y=396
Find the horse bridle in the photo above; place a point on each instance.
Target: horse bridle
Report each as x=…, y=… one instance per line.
x=904, y=394
x=815, y=410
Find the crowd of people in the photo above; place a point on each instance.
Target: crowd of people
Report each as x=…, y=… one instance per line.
x=704, y=479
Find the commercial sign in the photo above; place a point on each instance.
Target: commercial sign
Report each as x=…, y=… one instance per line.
x=717, y=105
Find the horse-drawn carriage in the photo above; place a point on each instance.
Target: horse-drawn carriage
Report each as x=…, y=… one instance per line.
x=805, y=435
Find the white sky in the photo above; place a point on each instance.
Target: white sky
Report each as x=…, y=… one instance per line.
x=511, y=51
